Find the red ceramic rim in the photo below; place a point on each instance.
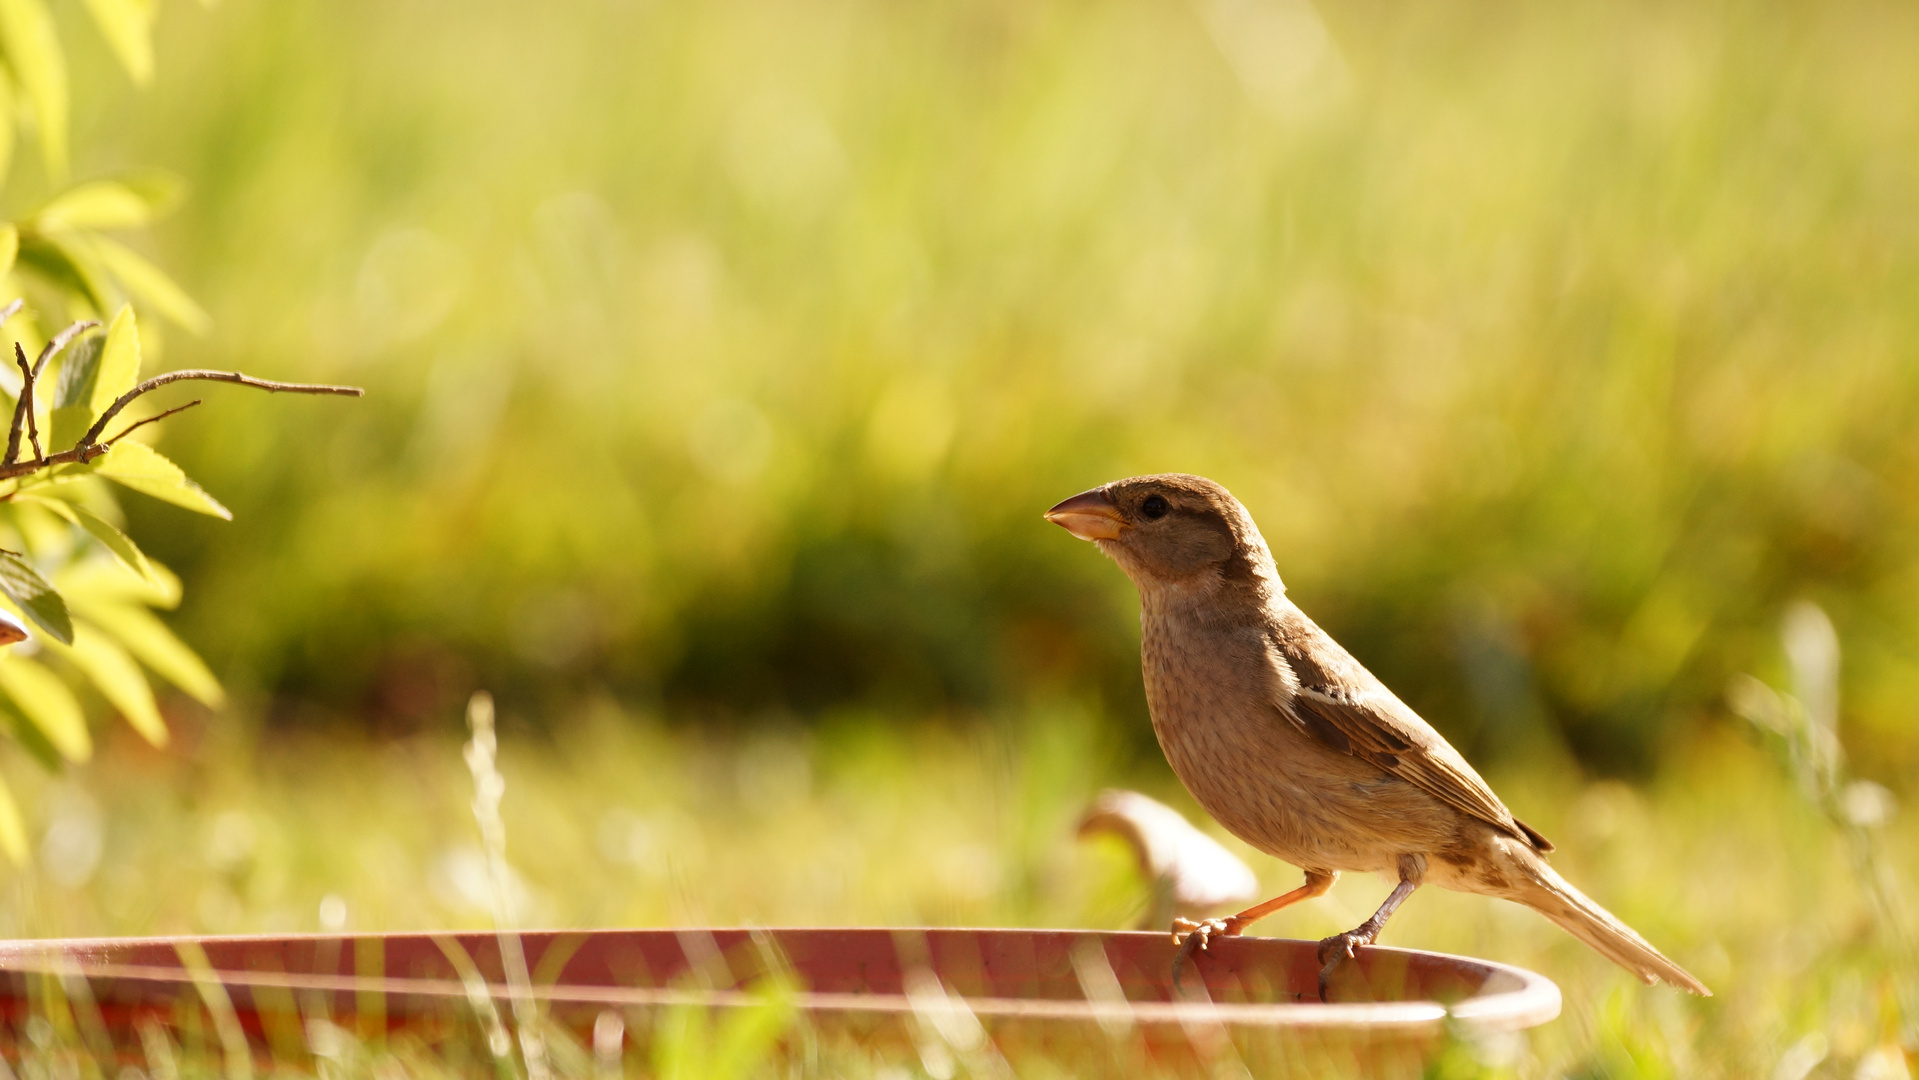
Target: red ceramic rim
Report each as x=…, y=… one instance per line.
x=1501, y=997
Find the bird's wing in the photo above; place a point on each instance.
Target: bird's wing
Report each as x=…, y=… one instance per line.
x=1338, y=702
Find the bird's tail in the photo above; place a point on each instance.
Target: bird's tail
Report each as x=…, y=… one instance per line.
x=1542, y=889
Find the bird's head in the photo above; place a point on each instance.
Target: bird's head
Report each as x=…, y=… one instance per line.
x=1170, y=530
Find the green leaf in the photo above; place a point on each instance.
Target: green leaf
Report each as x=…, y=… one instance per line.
x=118, y=679
x=128, y=27
x=72, y=411
x=13, y=832
x=149, y=639
x=144, y=469
x=119, y=543
x=150, y=285
x=87, y=582
x=9, y=235
x=67, y=263
x=79, y=371
x=58, y=507
x=119, y=360
x=102, y=204
x=109, y=534
x=49, y=704
x=23, y=585
x=32, y=47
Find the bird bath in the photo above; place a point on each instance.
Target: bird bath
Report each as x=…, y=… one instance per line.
x=1004, y=994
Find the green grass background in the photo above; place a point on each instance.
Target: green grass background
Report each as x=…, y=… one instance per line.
x=721, y=356
x=871, y=820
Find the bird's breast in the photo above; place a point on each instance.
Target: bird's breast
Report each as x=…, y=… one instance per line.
x=1214, y=696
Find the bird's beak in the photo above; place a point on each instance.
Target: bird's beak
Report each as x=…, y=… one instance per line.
x=11, y=631
x=1090, y=515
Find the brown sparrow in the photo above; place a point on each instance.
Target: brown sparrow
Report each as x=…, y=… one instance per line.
x=1297, y=749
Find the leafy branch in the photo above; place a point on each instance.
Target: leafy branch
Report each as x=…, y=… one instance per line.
x=96, y=386
x=94, y=603
x=92, y=616
x=90, y=446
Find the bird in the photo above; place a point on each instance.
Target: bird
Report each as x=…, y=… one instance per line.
x=1294, y=747
x=1189, y=872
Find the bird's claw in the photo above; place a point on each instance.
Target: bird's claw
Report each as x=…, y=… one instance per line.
x=1332, y=948
x=1192, y=937
x=1336, y=948
x=1185, y=931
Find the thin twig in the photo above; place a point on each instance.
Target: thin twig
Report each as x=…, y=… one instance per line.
x=149, y=420
x=13, y=442
x=89, y=448
x=23, y=410
x=27, y=376
x=93, y=433
x=19, y=408
x=81, y=454
x=59, y=342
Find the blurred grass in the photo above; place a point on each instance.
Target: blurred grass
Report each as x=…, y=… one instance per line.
x=722, y=354
x=870, y=821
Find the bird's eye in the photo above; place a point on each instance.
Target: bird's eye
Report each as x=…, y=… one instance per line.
x=1154, y=507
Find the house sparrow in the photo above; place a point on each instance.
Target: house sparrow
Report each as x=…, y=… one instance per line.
x=1297, y=749
x=1190, y=873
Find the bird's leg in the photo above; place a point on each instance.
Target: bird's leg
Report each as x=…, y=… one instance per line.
x=1193, y=936
x=1412, y=870
x=1185, y=930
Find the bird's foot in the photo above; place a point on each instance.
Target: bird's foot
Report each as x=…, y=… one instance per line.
x=1189, y=934
x=1193, y=937
x=1338, y=948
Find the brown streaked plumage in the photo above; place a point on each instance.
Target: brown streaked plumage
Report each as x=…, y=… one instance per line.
x=1294, y=746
